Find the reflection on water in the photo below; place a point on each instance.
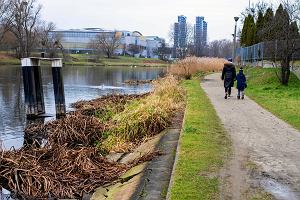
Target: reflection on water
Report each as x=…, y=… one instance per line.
x=80, y=83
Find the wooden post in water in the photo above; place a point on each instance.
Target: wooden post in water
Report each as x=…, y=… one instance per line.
x=33, y=88
x=58, y=86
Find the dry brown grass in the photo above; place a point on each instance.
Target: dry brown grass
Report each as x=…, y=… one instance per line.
x=143, y=118
x=191, y=65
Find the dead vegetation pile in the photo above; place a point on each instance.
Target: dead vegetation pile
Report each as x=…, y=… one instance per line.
x=73, y=130
x=137, y=82
x=60, y=172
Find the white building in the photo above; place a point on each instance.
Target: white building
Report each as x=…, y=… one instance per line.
x=78, y=41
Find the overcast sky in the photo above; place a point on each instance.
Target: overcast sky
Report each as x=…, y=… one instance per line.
x=152, y=17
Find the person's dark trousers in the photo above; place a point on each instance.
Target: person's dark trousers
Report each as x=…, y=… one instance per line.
x=228, y=90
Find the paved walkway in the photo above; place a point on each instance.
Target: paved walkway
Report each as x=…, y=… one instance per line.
x=266, y=149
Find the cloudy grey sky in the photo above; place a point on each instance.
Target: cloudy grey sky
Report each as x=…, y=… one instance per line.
x=152, y=17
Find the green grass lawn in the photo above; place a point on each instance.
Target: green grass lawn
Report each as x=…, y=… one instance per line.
x=87, y=60
x=203, y=148
x=283, y=101
x=10, y=61
x=117, y=61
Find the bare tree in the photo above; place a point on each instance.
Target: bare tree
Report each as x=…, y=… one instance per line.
x=135, y=49
x=163, y=51
x=220, y=48
x=5, y=17
x=50, y=41
x=107, y=43
x=190, y=35
x=188, y=49
x=25, y=25
x=171, y=34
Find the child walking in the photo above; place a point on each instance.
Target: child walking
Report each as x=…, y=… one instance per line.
x=241, y=84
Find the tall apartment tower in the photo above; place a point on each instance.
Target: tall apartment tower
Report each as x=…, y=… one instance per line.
x=182, y=40
x=176, y=35
x=198, y=31
x=200, y=35
x=180, y=34
x=204, y=39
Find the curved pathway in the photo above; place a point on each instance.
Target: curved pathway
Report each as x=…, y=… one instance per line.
x=266, y=150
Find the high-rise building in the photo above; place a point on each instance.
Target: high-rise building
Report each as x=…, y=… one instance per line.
x=176, y=35
x=180, y=34
x=200, y=35
x=204, y=33
x=182, y=31
x=198, y=31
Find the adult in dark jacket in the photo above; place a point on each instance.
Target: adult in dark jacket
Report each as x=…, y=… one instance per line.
x=228, y=75
x=241, y=83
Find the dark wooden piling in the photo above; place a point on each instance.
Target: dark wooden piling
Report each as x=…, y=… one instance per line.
x=39, y=90
x=58, y=86
x=32, y=87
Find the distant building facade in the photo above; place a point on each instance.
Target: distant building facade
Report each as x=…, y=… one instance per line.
x=79, y=41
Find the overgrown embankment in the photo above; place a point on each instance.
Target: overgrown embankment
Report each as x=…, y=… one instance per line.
x=72, y=161
x=283, y=101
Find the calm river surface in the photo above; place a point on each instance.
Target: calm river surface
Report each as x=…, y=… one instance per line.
x=80, y=83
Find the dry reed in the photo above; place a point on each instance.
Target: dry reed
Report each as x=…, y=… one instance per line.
x=191, y=65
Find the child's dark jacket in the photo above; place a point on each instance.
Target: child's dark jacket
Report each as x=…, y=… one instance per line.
x=241, y=81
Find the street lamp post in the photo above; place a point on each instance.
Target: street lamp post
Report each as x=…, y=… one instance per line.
x=234, y=39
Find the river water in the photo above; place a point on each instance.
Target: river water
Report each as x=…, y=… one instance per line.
x=81, y=83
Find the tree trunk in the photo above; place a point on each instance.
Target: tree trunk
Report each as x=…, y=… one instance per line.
x=285, y=71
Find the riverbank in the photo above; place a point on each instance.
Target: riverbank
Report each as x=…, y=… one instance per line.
x=282, y=101
x=86, y=60
x=203, y=148
x=73, y=161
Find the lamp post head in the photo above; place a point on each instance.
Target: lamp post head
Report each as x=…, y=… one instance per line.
x=24, y=3
x=236, y=19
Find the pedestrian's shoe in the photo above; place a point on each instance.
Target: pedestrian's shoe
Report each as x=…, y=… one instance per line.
x=226, y=96
x=238, y=97
x=243, y=97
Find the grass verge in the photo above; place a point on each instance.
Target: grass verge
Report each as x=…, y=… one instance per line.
x=82, y=59
x=203, y=148
x=86, y=60
x=282, y=101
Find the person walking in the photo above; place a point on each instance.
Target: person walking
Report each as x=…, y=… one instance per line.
x=241, y=84
x=228, y=76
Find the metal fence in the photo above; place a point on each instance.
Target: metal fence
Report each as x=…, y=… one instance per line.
x=5, y=196
x=267, y=53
